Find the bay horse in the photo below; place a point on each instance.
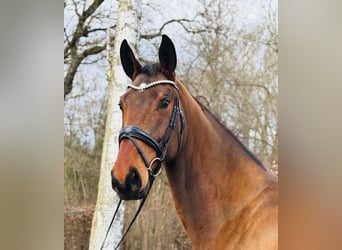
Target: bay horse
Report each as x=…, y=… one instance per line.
x=224, y=196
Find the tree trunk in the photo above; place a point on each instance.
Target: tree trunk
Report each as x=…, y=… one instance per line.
x=128, y=22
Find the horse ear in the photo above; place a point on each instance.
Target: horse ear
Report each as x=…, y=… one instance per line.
x=129, y=63
x=167, y=56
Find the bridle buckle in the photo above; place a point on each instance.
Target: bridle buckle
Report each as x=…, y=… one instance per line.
x=158, y=168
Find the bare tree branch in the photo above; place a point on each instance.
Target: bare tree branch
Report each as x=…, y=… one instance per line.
x=69, y=77
x=80, y=28
x=71, y=47
x=181, y=21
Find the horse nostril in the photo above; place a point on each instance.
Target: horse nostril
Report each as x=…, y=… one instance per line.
x=115, y=184
x=133, y=181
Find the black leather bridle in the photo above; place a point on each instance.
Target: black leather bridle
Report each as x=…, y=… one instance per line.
x=133, y=132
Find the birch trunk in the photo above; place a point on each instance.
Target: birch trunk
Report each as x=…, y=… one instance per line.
x=127, y=27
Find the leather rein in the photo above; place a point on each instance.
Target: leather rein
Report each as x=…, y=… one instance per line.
x=133, y=132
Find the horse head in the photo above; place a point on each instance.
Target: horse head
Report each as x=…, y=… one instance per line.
x=152, y=121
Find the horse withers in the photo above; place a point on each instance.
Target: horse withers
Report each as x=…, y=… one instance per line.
x=224, y=196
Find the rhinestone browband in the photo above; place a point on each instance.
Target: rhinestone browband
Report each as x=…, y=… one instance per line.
x=144, y=86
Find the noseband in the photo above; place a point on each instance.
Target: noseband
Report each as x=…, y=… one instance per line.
x=134, y=132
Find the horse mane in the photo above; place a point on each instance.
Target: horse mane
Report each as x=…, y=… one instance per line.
x=234, y=135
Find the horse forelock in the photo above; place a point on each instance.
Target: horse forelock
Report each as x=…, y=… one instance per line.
x=150, y=69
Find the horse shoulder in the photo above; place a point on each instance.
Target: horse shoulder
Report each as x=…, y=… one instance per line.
x=254, y=227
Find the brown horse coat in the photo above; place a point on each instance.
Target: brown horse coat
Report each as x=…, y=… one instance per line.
x=223, y=195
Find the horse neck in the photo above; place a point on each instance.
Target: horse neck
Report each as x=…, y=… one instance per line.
x=212, y=177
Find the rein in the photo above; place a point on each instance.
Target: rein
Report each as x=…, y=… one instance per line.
x=133, y=132
x=132, y=221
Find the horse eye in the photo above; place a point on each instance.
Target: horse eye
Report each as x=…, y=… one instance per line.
x=120, y=106
x=164, y=103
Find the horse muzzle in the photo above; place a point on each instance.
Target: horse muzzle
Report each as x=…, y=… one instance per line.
x=131, y=188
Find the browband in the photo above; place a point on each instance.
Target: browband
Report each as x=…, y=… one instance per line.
x=144, y=86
